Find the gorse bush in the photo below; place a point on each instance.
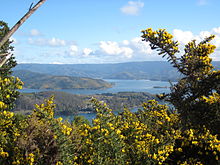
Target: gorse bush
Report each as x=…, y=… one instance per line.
x=129, y=137
x=155, y=134
x=152, y=135
x=196, y=95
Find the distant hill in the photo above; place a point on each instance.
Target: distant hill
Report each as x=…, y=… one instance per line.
x=36, y=80
x=151, y=70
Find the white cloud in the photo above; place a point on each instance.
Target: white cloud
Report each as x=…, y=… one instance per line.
x=35, y=32
x=134, y=49
x=183, y=36
x=186, y=36
x=128, y=52
x=216, y=41
x=73, y=50
x=204, y=34
x=125, y=42
x=111, y=51
x=132, y=8
x=113, y=48
x=216, y=30
x=55, y=42
x=87, y=52
x=141, y=46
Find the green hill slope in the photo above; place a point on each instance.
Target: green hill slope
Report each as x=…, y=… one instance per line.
x=44, y=81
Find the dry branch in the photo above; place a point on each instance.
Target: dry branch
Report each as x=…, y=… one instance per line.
x=4, y=54
x=16, y=26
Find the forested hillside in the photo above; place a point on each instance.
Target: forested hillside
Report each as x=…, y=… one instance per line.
x=68, y=104
x=36, y=80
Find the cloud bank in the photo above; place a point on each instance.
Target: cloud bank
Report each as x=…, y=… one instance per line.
x=55, y=42
x=56, y=50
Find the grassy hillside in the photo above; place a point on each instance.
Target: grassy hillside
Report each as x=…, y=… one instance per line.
x=44, y=81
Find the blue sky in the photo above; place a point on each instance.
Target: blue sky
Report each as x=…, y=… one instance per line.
x=99, y=31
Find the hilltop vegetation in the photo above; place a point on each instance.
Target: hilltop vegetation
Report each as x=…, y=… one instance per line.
x=36, y=80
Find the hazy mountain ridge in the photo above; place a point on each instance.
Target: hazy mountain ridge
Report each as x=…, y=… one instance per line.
x=152, y=70
x=36, y=80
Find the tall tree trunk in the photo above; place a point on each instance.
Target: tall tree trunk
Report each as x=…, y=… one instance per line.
x=17, y=25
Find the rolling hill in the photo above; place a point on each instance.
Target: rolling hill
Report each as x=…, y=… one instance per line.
x=36, y=80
